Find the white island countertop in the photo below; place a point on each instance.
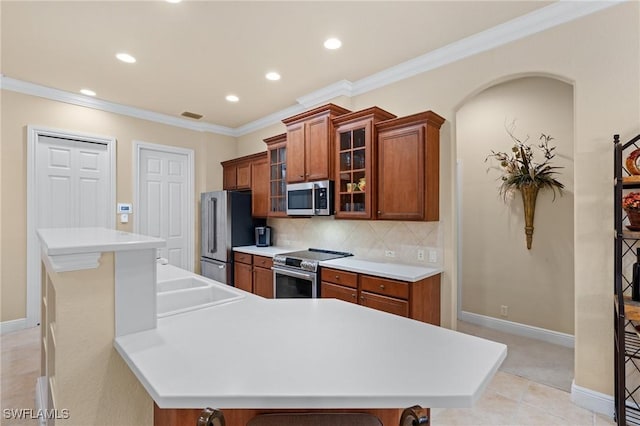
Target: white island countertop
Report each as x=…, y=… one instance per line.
x=62, y=241
x=306, y=353
x=269, y=251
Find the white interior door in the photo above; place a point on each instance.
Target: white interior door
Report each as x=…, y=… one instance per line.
x=70, y=184
x=73, y=183
x=164, y=205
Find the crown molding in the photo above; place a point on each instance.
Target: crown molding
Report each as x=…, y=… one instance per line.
x=327, y=93
x=537, y=21
x=27, y=88
x=268, y=120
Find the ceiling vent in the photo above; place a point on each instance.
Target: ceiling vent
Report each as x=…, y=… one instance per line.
x=192, y=115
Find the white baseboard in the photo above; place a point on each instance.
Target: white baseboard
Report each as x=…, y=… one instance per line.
x=592, y=400
x=41, y=398
x=532, y=332
x=13, y=325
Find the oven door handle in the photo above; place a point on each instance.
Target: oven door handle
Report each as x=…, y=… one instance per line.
x=292, y=273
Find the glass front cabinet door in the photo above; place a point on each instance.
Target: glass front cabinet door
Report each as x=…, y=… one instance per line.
x=355, y=149
x=277, y=156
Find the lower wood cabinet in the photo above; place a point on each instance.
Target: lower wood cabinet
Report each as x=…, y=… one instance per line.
x=263, y=276
x=253, y=274
x=335, y=291
x=419, y=300
x=242, y=271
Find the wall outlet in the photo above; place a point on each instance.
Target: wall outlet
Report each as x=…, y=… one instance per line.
x=390, y=253
x=433, y=256
x=504, y=310
x=420, y=254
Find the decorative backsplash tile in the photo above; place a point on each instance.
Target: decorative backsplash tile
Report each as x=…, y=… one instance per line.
x=367, y=239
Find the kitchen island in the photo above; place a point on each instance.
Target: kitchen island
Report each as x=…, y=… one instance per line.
x=253, y=355
x=237, y=352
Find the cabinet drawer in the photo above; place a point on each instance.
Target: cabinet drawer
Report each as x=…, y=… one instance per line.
x=384, y=303
x=262, y=261
x=334, y=291
x=242, y=257
x=384, y=286
x=336, y=276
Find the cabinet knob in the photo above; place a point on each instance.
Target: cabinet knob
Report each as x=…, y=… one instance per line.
x=301, y=175
x=353, y=295
x=362, y=298
x=379, y=212
x=307, y=175
x=337, y=277
x=382, y=286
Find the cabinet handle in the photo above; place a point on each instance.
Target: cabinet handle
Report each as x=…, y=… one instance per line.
x=353, y=295
x=307, y=175
x=382, y=286
x=337, y=277
x=301, y=175
x=379, y=212
x=362, y=298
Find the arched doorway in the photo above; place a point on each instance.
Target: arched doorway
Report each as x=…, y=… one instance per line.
x=501, y=284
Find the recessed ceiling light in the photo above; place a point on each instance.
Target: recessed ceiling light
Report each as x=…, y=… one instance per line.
x=87, y=92
x=332, y=43
x=232, y=98
x=174, y=1
x=273, y=76
x=125, y=57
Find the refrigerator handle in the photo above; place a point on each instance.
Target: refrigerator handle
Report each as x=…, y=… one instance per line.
x=213, y=204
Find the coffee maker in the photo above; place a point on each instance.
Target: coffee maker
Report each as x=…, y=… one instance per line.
x=263, y=236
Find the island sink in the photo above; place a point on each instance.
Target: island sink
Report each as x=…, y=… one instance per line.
x=186, y=294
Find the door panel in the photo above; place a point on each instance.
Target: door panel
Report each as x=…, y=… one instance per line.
x=317, y=146
x=295, y=153
x=163, y=202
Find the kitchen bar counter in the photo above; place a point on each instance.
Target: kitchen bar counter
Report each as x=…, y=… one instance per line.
x=306, y=354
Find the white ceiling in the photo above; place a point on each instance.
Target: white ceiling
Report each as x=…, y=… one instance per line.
x=192, y=54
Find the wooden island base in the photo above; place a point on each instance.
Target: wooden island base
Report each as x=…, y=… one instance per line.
x=235, y=417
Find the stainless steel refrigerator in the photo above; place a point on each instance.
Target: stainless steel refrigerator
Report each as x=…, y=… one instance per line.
x=225, y=222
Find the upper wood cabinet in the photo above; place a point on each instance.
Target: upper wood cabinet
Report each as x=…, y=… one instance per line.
x=260, y=188
x=355, y=159
x=408, y=167
x=310, y=149
x=237, y=173
x=277, y=157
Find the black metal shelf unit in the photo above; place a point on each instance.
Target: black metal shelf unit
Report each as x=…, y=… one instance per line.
x=626, y=336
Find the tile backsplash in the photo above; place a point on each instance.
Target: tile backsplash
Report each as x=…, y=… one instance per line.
x=366, y=239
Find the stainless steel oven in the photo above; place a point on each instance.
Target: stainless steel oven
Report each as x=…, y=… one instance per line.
x=288, y=283
x=295, y=275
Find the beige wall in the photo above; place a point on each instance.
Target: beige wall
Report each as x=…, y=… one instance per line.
x=19, y=110
x=598, y=54
x=497, y=269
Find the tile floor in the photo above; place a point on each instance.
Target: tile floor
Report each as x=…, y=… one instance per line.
x=510, y=400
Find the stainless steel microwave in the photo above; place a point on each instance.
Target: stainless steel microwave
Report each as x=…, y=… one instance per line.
x=310, y=198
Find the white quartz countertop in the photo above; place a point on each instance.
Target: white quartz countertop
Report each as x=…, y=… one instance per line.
x=306, y=353
x=59, y=241
x=264, y=251
x=398, y=271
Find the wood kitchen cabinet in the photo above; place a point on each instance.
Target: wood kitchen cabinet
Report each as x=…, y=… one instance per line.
x=243, y=271
x=237, y=173
x=310, y=146
x=253, y=274
x=337, y=284
x=408, y=167
x=260, y=188
x=355, y=160
x=277, y=157
x=263, y=276
x=418, y=300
